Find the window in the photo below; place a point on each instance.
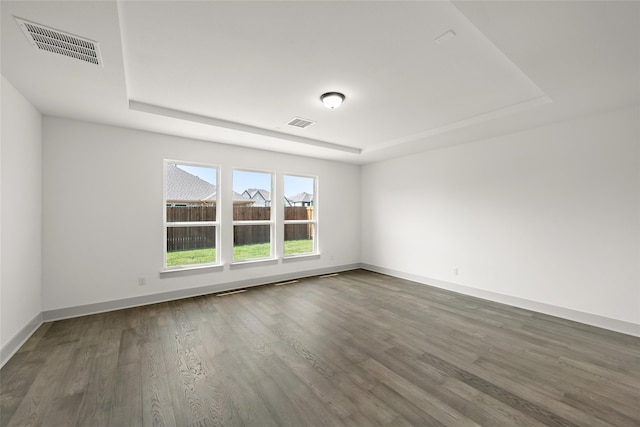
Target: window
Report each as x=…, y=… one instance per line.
x=252, y=216
x=191, y=219
x=300, y=222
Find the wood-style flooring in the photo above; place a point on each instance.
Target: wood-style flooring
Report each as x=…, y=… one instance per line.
x=356, y=349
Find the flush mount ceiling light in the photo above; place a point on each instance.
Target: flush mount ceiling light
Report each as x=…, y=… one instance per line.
x=332, y=99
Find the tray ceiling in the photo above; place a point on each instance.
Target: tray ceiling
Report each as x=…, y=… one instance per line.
x=416, y=75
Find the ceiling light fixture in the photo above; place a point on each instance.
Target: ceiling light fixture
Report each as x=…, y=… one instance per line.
x=332, y=99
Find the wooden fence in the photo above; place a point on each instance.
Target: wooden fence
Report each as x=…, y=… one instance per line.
x=191, y=213
x=184, y=238
x=298, y=231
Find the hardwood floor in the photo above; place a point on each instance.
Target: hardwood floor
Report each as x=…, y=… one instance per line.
x=357, y=349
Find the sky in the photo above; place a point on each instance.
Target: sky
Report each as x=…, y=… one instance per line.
x=246, y=179
x=203, y=172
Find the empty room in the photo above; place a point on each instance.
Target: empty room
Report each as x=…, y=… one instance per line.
x=320, y=213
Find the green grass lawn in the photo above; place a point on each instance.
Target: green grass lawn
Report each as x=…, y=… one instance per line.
x=259, y=250
x=295, y=247
x=190, y=257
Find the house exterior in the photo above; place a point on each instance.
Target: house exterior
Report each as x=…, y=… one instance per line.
x=259, y=197
x=185, y=189
x=300, y=199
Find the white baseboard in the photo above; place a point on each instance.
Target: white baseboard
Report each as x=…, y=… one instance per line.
x=101, y=307
x=13, y=345
x=615, y=325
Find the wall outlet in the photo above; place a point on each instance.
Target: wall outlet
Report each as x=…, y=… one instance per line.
x=142, y=281
x=455, y=271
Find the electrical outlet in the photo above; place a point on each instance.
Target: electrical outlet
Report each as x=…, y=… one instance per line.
x=455, y=271
x=142, y=281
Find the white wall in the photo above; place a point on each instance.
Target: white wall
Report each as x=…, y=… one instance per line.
x=20, y=218
x=549, y=215
x=103, y=204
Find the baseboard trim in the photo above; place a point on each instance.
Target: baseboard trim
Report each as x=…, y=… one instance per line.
x=101, y=307
x=13, y=345
x=615, y=325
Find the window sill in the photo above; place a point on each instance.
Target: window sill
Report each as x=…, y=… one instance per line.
x=301, y=257
x=194, y=268
x=252, y=262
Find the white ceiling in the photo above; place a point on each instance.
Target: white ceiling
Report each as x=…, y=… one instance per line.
x=237, y=72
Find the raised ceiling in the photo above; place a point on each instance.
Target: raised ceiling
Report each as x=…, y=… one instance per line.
x=237, y=72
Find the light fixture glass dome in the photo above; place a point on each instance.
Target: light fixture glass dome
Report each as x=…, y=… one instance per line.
x=332, y=99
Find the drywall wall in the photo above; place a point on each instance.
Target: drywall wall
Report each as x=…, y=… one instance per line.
x=103, y=207
x=549, y=215
x=20, y=219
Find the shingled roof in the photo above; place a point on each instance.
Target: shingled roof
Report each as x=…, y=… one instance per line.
x=184, y=187
x=301, y=198
x=254, y=193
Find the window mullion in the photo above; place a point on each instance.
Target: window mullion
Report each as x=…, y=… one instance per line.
x=253, y=222
x=193, y=224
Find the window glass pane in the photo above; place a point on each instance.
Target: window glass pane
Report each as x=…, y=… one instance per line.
x=299, y=193
x=251, y=213
x=298, y=239
x=191, y=213
x=191, y=193
x=190, y=196
x=191, y=245
x=251, y=190
x=302, y=213
x=251, y=241
x=299, y=205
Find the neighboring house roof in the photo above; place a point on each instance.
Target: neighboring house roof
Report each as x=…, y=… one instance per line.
x=301, y=198
x=257, y=193
x=182, y=186
x=239, y=198
x=185, y=187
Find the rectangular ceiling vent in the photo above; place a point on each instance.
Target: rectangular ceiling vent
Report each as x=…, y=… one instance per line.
x=300, y=123
x=56, y=41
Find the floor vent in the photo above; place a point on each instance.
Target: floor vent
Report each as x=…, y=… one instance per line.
x=290, y=282
x=300, y=123
x=56, y=41
x=329, y=275
x=231, y=293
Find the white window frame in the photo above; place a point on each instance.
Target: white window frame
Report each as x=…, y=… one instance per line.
x=167, y=225
x=313, y=221
x=271, y=222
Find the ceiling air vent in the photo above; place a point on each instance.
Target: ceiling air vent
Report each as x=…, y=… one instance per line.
x=300, y=123
x=51, y=40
